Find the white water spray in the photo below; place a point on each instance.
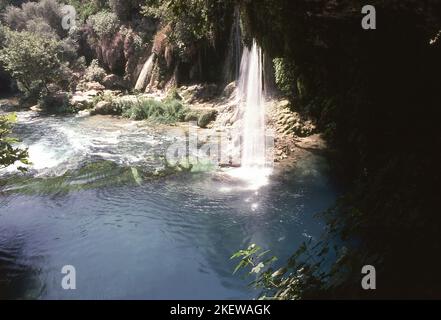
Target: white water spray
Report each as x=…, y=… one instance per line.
x=255, y=167
x=253, y=146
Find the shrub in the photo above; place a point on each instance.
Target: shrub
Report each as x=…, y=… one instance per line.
x=8, y=154
x=136, y=41
x=190, y=21
x=173, y=94
x=125, y=8
x=3, y=31
x=43, y=16
x=31, y=59
x=107, y=97
x=85, y=8
x=164, y=112
x=121, y=8
x=285, y=76
x=15, y=18
x=41, y=27
x=55, y=102
x=104, y=24
x=94, y=72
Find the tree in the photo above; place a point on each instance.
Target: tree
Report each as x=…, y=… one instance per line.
x=31, y=59
x=191, y=21
x=8, y=154
x=47, y=14
x=105, y=24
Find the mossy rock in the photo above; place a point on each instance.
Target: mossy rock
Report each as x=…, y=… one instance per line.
x=192, y=116
x=56, y=103
x=206, y=118
x=173, y=94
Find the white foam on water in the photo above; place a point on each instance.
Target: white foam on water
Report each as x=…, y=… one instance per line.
x=42, y=156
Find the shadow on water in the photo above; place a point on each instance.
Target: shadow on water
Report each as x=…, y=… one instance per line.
x=19, y=279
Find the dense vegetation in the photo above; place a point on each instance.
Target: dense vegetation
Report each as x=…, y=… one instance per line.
x=8, y=153
x=189, y=38
x=169, y=111
x=374, y=94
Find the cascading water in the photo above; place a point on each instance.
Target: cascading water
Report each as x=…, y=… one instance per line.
x=255, y=167
x=145, y=73
x=253, y=145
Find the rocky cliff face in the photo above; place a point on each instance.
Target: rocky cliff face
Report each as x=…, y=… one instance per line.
x=375, y=94
x=362, y=86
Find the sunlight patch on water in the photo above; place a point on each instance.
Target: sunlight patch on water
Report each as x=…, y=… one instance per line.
x=248, y=178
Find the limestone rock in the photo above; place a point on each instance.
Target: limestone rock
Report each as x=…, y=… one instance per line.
x=94, y=86
x=112, y=81
x=9, y=104
x=229, y=90
x=206, y=118
x=81, y=102
x=288, y=122
x=103, y=108
x=113, y=93
x=84, y=113
x=91, y=93
x=199, y=92
x=36, y=108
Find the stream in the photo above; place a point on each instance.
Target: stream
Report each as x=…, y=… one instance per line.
x=93, y=199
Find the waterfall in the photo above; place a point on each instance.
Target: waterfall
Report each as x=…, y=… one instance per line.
x=145, y=73
x=255, y=167
x=253, y=106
